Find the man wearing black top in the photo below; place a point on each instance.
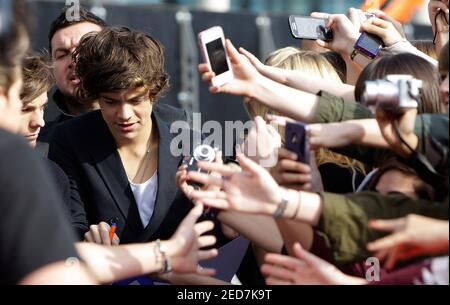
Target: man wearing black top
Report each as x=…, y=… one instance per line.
x=63, y=38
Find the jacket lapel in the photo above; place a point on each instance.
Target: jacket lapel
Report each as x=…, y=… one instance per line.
x=167, y=188
x=111, y=170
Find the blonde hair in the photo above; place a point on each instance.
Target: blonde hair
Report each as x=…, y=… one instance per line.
x=315, y=64
x=425, y=46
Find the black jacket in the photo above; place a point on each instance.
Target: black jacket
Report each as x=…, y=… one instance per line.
x=58, y=112
x=85, y=149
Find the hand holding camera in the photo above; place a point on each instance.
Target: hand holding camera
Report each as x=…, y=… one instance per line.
x=382, y=15
x=396, y=98
x=394, y=93
x=383, y=29
x=305, y=27
x=344, y=33
x=201, y=153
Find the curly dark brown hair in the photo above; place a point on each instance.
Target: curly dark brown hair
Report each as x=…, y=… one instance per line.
x=118, y=58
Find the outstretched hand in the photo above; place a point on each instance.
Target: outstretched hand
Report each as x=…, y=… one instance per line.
x=253, y=190
x=305, y=268
x=245, y=74
x=412, y=236
x=185, y=244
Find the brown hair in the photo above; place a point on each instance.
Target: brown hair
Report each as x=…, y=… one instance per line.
x=62, y=22
x=421, y=188
x=338, y=63
x=37, y=77
x=425, y=46
x=443, y=59
x=13, y=43
x=405, y=64
x=118, y=58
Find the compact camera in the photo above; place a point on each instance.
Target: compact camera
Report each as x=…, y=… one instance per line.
x=202, y=152
x=393, y=93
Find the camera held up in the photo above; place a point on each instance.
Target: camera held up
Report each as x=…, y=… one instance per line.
x=393, y=93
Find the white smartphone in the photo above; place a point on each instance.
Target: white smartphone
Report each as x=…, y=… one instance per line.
x=212, y=45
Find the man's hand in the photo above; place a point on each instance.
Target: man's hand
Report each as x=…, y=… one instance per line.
x=99, y=234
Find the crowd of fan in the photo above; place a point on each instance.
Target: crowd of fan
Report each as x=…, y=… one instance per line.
x=371, y=206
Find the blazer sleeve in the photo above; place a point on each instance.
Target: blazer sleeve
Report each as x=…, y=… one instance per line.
x=62, y=153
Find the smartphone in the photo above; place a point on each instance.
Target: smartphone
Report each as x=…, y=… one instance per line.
x=369, y=45
x=305, y=27
x=212, y=46
x=297, y=140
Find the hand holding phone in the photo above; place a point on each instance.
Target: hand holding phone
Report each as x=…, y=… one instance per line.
x=305, y=27
x=297, y=140
x=369, y=45
x=212, y=46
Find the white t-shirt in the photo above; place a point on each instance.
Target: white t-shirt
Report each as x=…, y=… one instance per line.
x=145, y=196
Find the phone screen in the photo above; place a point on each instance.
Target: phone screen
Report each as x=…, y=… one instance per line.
x=217, y=56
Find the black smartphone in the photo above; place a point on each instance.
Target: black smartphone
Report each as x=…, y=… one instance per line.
x=369, y=44
x=305, y=27
x=297, y=140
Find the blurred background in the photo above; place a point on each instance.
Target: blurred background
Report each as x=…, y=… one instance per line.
x=260, y=26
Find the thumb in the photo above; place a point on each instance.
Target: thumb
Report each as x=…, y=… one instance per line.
x=232, y=52
x=193, y=215
x=305, y=256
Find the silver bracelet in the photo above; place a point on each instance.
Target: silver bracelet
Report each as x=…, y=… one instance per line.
x=160, y=255
x=281, y=208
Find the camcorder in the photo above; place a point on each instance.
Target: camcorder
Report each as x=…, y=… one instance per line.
x=393, y=93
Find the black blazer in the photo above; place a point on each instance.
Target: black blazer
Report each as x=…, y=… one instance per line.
x=85, y=149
